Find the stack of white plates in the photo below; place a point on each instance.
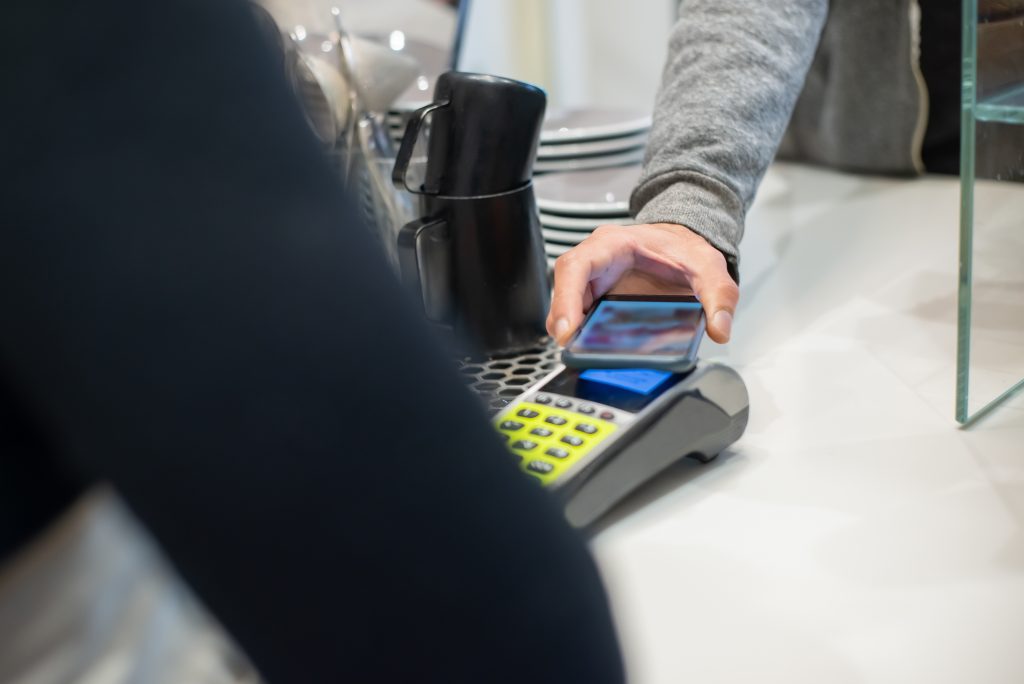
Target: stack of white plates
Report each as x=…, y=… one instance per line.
x=578, y=139
x=572, y=205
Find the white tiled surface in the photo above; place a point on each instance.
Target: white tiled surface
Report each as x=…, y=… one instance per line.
x=854, y=534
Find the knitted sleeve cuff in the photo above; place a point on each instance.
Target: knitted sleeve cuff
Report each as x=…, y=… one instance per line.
x=704, y=205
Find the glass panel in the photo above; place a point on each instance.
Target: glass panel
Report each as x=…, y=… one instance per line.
x=990, y=360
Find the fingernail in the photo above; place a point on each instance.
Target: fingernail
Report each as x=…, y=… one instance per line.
x=723, y=322
x=561, y=328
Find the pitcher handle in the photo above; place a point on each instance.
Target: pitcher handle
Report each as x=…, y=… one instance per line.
x=412, y=133
x=409, y=262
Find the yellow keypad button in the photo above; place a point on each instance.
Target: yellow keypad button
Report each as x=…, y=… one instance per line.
x=542, y=467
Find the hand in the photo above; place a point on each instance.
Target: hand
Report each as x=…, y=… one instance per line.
x=660, y=258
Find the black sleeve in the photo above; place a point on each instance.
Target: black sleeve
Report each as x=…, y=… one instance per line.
x=192, y=312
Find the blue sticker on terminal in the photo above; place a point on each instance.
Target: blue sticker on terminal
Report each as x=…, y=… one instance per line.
x=639, y=380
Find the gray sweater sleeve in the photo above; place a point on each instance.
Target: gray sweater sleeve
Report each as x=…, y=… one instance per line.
x=734, y=71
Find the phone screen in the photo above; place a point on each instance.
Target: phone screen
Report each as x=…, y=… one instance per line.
x=662, y=328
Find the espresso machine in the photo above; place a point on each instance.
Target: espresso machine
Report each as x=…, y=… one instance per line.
x=475, y=260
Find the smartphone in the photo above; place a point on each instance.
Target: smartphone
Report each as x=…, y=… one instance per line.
x=639, y=331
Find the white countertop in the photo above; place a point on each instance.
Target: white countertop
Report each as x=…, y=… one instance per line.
x=854, y=533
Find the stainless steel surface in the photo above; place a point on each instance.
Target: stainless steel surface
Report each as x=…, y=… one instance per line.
x=322, y=92
x=345, y=84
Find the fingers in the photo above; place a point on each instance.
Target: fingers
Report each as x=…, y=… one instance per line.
x=719, y=295
x=638, y=282
x=585, y=273
x=688, y=255
x=663, y=258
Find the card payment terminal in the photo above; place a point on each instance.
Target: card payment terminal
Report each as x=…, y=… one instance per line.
x=593, y=436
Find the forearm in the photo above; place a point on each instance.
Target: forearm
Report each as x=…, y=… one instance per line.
x=731, y=80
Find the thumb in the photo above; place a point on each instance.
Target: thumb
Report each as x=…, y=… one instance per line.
x=719, y=295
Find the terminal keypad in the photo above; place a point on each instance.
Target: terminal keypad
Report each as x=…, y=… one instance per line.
x=548, y=439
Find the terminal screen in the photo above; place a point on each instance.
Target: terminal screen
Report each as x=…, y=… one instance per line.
x=639, y=380
x=629, y=389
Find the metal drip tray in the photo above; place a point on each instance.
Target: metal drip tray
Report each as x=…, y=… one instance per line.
x=499, y=379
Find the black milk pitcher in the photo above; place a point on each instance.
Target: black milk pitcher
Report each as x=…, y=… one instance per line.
x=476, y=258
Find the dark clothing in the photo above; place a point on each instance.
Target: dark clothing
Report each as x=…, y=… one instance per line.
x=940, y=65
x=191, y=313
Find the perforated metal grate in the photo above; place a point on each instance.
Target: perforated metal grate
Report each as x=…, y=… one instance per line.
x=499, y=379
